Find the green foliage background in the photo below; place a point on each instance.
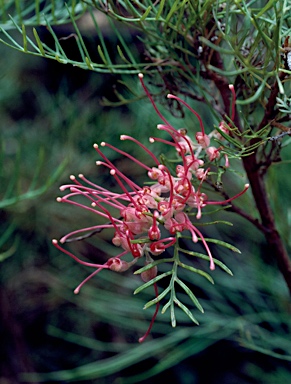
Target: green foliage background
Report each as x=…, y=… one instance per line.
x=48, y=126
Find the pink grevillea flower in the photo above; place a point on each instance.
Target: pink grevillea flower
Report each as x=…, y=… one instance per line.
x=145, y=221
x=213, y=153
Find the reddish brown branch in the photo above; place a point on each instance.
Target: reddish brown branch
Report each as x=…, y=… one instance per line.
x=256, y=180
x=275, y=243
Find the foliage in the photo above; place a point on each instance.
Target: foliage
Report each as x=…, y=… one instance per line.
x=259, y=324
x=195, y=49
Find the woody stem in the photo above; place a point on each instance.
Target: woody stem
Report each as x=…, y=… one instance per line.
x=255, y=176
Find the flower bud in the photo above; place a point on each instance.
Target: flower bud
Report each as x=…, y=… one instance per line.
x=213, y=153
x=202, y=139
x=149, y=274
x=117, y=265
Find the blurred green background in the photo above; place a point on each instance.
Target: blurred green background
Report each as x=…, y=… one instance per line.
x=50, y=116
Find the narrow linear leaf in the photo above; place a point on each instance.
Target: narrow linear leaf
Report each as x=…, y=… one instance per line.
x=198, y=271
x=5, y=255
x=101, y=54
x=230, y=139
x=280, y=85
x=61, y=60
x=255, y=96
x=122, y=55
x=106, y=58
x=120, y=98
x=132, y=8
x=223, y=244
x=206, y=257
x=265, y=351
x=158, y=298
x=160, y=10
x=268, y=41
x=59, y=49
x=224, y=72
x=216, y=47
x=190, y=294
x=80, y=38
x=35, y=193
x=7, y=234
x=24, y=38
x=186, y=310
x=38, y=42
x=14, y=42
x=165, y=307
x=172, y=11
x=173, y=317
x=153, y=264
x=215, y=241
x=151, y=282
x=124, y=45
x=109, y=366
x=215, y=222
x=88, y=62
x=145, y=15
x=84, y=341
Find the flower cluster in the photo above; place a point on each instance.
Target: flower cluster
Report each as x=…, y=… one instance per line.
x=146, y=220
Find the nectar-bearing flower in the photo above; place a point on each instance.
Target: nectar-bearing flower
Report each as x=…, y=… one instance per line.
x=147, y=220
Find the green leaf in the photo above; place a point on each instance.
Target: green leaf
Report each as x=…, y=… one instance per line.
x=216, y=47
x=109, y=366
x=166, y=306
x=160, y=10
x=24, y=38
x=101, y=54
x=13, y=198
x=145, y=15
x=230, y=139
x=122, y=42
x=82, y=47
x=206, y=257
x=269, y=5
x=172, y=313
x=38, y=41
x=153, y=264
x=195, y=270
x=158, y=298
x=256, y=95
x=5, y=255
x=186, y=310
x=121, y=54
x=216, y=241
x=151, y=282
x=7, y=234
x=190, y=294
x=223, y=244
